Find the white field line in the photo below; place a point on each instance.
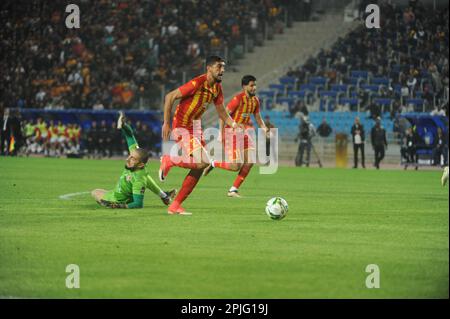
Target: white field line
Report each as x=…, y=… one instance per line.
x=68, y=196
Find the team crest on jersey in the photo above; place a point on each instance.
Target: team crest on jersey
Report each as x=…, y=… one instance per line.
x=128, y=178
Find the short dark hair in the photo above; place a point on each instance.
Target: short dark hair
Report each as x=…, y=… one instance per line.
x=143, y=155
x=246, y=79
x=212, y=59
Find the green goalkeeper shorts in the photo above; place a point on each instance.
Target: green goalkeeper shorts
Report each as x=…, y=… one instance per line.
x=112, y=196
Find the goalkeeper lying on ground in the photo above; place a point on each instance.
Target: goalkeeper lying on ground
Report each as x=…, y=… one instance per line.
x=129, y=192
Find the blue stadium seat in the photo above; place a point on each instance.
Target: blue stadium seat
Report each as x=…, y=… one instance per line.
x=288, y=100
x=267, y=93
x=370, y=87
x=359, y=74
x=308, y=87
x=417, y=103
x=318, y=80
x=328, y=93
x=277, y=87
x=297, y=94
x=339, y=87
x=353, y=81
x=383, y=101
x=285, y=80
x=380, y=81
x=350, y=101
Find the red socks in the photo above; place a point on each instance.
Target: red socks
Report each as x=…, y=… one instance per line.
x=242, y=175
x=188, y=185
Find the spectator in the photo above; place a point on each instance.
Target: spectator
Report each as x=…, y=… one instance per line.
x=438, y=111
x=5, y=132
x=104, y=138
x=93, y=136
x=304, y=136
x=375, y=111
x=379, y=142
x=324, y=128
x=98, y=106
x=58, y=68
x=358, y=138
x=440, y=148
x=408, y=149
x=303, y=109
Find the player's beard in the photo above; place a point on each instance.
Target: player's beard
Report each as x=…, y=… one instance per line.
x=131, y=169
x=218, y=79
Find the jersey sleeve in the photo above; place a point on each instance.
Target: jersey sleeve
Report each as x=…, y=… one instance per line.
x=128, y=133
x=233, y=104
x=138, y=201
x=189, y=88
x=219, y=98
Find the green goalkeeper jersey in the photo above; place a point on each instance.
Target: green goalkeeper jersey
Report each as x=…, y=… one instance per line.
x=130, y=183
x=130, y=189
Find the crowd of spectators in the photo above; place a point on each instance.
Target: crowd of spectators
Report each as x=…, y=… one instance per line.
x=52, y=138
x=410, y=48
x=123, y=52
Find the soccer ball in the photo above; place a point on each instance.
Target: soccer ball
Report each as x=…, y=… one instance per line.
x=277, y=208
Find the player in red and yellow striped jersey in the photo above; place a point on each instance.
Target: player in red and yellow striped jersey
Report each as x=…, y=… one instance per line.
x=240, y=108
x=194, y=97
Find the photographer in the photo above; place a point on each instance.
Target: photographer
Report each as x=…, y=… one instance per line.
x=408, y=150
x=306, y=133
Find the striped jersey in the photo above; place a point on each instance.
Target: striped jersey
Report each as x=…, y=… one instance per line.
x=241, y=107
x=196, y=95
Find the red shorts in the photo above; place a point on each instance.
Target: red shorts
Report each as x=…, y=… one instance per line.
x=235, y=150
x=190, y=143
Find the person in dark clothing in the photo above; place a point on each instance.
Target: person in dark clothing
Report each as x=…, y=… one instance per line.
x=358, y=138
x=408, y=150
x=145, y=136
x=440, y=148
x=324, y=129
x=375, y=111
x=15, y=129
x=379, y=142
x=5, y=132
x=114, y=134
x=93, y=139
x=304, y=136
x=104, y=138
x=304, y=109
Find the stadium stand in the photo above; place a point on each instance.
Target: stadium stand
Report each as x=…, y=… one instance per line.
x=357, y=78
x=357, y=75
x=125, y=51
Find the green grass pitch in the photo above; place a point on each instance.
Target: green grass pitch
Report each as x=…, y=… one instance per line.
x=339, y=221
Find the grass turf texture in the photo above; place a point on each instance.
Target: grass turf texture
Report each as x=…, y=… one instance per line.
x=339, y=221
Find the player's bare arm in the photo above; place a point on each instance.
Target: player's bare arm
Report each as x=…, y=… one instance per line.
x=225, y=117
x=261, y=123
x=170, y=98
